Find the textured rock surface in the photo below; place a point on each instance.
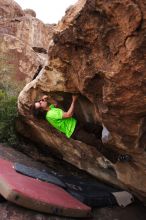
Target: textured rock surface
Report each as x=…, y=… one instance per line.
x=10, y=9
x=27, y=28
x=10, y=211
x=103, y=43
x=30, y=12
x=20, y=60
x=98, y=51
x=24, y=42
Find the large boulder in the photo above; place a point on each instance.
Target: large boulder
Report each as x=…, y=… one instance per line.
x=28, y=29
x=24, y=42
x=30, y=12
x=25, y=26
x=19, y=63
x=98, y=51
x=10, y=9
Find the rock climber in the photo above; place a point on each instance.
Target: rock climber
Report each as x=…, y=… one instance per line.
x=63, y=121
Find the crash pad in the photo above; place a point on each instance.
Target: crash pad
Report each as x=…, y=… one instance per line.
x=37, y=174
x=91, y=193
x=38, y=195
x=95, y=193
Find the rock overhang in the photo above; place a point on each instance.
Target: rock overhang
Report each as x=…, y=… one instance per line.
x=98, y=50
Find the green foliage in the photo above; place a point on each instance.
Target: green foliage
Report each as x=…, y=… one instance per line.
x=8, y=114
x=8, y=103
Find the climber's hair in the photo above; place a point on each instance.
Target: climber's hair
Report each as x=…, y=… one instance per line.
x=38, y=113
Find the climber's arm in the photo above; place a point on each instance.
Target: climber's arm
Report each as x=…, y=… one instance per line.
x=70, y=111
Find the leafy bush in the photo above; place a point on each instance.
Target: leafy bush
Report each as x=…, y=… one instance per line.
x=8, y=102
x=8, y=114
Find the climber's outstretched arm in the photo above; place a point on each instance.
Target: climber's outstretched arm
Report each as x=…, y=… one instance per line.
x=70, y=111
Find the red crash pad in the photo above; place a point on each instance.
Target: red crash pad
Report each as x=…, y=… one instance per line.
x=38, y=195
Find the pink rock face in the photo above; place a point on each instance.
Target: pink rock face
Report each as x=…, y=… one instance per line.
x=19, y=61
x=24, y=42
x=30, y=12
x=10, y=9
x=28, y=29
x=98, y=51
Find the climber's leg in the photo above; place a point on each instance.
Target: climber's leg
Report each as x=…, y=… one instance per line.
x=94, y=128
x=90, y=139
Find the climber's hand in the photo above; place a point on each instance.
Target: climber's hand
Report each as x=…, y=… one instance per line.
x=74, y=98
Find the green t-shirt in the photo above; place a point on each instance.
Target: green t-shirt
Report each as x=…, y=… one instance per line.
x=65, y=125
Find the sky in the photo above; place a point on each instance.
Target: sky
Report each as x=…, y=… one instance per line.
x=49, y=11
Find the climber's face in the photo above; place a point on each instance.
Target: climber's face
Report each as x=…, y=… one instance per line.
x=41, y=104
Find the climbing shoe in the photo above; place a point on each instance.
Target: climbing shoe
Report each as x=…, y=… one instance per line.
x=124, y=158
